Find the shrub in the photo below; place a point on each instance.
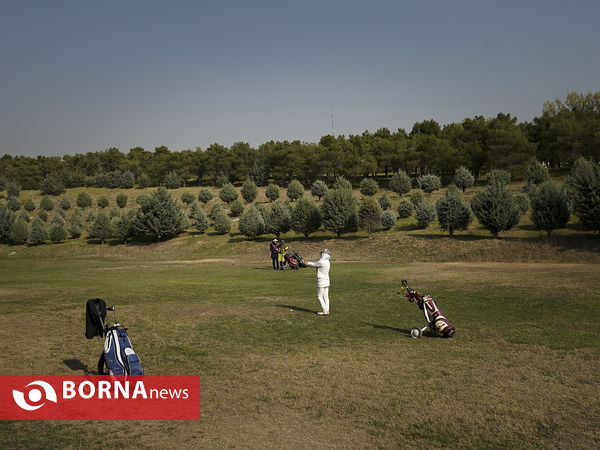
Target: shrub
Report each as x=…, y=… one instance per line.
x=43, y=215
x=204, y=195
x=278, y=219
x=7, y=218
x=416, y=197
x=368, y=187
x=583, y=186
x=429, y=183
x=222, y=223
x=121, y=200
x=114, y=212
x=57, y=234
x=463, y=178
x=405, y=209
x=295, y=190
x=498, y=176
x=384, y=201
x=272, y=192
x=29, y=205
x=75, y=229
x=172, y=180
x=236, y=208
x=38, y=232
x=306, y=218
x=251, y=223
x=58, y=219
x=13, y=189
x=228, y=193
x=199, y=217
x=19, y=233
x=536, y=173
x=549, y=208
x=496, y=208
x=425, y=214
x=318, y=189
x=61, y=212
x=143, y=181
x=77, y=217
x=84, y=200
x=25, y=216
x=342, y=183
x=221, y=180
x=13, y=203
x=339, y=211
x=102, y=202
x=52, y=185
x=65, y=204
x=127, y=180
x=215, y=210
x=249, y=190
x=188, y=198
x=453, y=213
x=400, y=183
x=46, y=204
x=161, y=217
x=522, y=201
x=100, y=228
x=91, y=217
x=388, y=218
x=369, y=214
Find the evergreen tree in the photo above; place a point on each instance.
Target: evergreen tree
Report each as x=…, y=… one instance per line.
x=405, y=209
x=523, y=201
x=127, y=180
x=249, y=190
x=57, y=234
x=583, y=186
x=58, y=219
x=549, y=208
x=318, y=189
x=38, y=232
x=199, y=217
x=7, y=218
x=342, y=183
x=416, y=197
x=25, y=216
x=295, y=190
x=161, y=216
x=114, y=212
x=143, y=181
x=272, y=192
x=237, y=208
x=305, y=217
x=19, y=233
x=143, y=200
x=52, y=185
x=221, y=180
x=388, y=219
x=368, y=187
x=100, y=228
x=13, y=189
x=498, y=176
x=172, y=180
x=278, y=219
x=215, y=210
x=43, y=215
x=84, y=200
x=453, y=213
x=496, y=208
x=121, y=227
x=187, y=197
x=65, y=204
x=222, y=223
x=46, y=203
x=463, y=178
x=251, y=223
x=384, y=202
x=536, y=173
x=339, y=211
x=29, y=205
x=204, y=195
x=429, y=182
x=75, y=229
x=400, y=183
x=228, y=193
x=369, y=214
x=425, y=214
x=13, y=203
x=103, y=202
x=121, y=200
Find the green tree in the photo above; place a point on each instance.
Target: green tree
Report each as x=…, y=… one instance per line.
x=523, y=201
x=199, y=217
x=305, y=217
x=127, y=180
x=536, y=173
x=121, y=227
x=38, y=232
x=318, y=189
x=57, y=234
x=215, y=210
x=114, y=212
x=172, y=180
x=496, y=208
x=498, y=176
x=29, y=205
x=425, y=214
x=25, y=216
x=75, y=229
x=405, y=209
x=388, y=218
x=549, y=208
x=295, y=190
x=237, y=208
x=272, y=192
x=222, y=223
x=13, y=203
x=46, y=204
x=19, y=233
x=121, y=200
x=161, y=217
x=463, y=178
x=249, y=190
x=58, y=219
x=251, y=223
x=583, y=186
x=205, y=196
x=52, y=185
x=453, y=213
x=100, y=228
x=369, y=187
x=384, y=202
x=65, y=204
x=43, y=215
x=103, y=202
x=84, y=200
x=369, y=214
x=143, y=181
x=416, y=197
x=339, y=211
x=342, y=183
x=278, y=219
x=228, y=193
x=400, y=183
x=188, y=197
x=13, y=189
x=429, y=182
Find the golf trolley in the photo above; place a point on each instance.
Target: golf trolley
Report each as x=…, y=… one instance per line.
x=118, y=356
x=436, y=321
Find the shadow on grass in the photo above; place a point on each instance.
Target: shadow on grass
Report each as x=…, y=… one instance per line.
x=387, y=327
x=76, y=366
x=297, y=308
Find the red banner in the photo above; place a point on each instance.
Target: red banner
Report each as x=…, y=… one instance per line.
x=84, y=397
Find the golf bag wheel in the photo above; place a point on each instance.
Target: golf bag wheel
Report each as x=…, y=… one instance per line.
x=416, y=333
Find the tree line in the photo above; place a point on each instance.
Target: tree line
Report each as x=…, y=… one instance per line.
x=567, y=130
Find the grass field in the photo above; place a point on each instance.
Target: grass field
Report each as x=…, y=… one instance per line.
x=522, y=370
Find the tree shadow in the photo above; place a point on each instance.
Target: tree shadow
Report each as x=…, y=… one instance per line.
x=76, y=366
x=297, y=308
x=387, y=327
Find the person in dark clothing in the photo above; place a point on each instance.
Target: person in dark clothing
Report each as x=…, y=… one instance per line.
x=274, y=247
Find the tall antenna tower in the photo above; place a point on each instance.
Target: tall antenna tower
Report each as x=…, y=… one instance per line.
x=332, y=127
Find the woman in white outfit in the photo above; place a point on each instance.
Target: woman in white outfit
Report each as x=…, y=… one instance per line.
x=322, y=266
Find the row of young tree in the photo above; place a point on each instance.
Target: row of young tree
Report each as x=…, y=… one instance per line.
x=565, y=131
x=159, y=215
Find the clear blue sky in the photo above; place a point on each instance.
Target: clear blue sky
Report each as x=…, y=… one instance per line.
x=81, y=76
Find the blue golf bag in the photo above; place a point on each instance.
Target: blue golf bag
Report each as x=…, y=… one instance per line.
x=118, y=356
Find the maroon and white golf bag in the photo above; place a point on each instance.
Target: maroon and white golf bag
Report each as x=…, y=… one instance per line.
x=437, y=322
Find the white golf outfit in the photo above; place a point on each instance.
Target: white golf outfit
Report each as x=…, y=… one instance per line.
x=322, y=266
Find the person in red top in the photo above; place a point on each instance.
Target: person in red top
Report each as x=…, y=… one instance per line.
x=274, y=247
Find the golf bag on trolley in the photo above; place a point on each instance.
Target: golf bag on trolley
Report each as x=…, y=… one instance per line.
x=118, y=356
x=437, y=322
x=294, y=261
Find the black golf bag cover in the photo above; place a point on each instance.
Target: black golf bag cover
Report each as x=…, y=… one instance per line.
x=118, y=355
x=95, y=313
